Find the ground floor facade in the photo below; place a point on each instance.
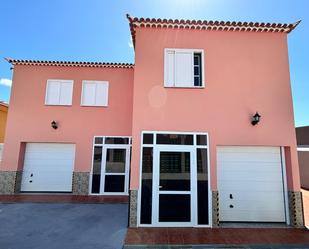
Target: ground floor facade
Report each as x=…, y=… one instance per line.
x=176, y=176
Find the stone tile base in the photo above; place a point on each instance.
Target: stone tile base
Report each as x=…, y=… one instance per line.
x=80, y=183
x=133, y=208
x=10, y=182
x=296, y=209
x=215, y=208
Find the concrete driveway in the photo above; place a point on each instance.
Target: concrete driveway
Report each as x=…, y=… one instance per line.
x=67, y=226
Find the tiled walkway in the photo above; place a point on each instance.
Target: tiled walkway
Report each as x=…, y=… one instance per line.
x=216, y=236
x=62, y=199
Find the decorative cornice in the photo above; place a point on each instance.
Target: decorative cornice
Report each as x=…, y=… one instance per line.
x=135, y=22
x=69, y=63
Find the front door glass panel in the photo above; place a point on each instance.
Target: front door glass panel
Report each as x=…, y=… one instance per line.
x=115, y=161
x=175, y=208
x=175, y=171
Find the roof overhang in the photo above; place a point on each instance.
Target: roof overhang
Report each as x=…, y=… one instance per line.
x=69, y=63
x=136, y=22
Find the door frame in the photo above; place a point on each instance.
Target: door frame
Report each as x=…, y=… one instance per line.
x=103, y=164
x=194, y=146
x=103, y=168
x=156, y=182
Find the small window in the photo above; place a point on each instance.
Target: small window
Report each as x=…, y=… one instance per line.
x=183, y=68
x=197, y=69
x=116, y=140
x=98, y=140
x=179, y=139
x=147, y=138
x=94, y=93
x=201, y=139
x=59, y=92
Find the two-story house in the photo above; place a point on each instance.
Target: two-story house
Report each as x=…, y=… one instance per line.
x=199, y=131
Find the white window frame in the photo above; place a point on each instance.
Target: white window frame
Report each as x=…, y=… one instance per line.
x=1, y=150
x=96, y=82
x=155, y=147
x=104, y=146
x=49, y=81
x=175, y=50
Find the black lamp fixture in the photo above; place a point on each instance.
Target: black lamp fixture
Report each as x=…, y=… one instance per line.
x=256, y=119
x=54, y=124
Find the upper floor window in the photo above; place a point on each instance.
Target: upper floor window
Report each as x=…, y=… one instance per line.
x=183, y=68
x=59, y=92
x=94, y=93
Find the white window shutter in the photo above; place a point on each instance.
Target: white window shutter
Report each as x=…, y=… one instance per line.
x=88, y=97
x=169, y=68
x=101, y=97
x=184, y=69
x=52, y=92
x=66, y=91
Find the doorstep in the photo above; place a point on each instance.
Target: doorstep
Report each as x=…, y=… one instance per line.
x=63, y=198
x=216, y=238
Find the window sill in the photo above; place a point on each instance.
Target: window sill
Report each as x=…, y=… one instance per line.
x=186, y=87
x=57, y=105
x=104, y=106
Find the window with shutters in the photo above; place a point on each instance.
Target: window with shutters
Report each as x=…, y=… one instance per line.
x=183, y=68
x=94, y=93
x=59, y=92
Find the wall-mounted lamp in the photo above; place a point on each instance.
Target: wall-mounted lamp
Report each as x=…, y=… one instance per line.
x=54, y=124
x=256, y=119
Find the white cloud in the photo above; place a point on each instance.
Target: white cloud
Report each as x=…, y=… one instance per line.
x=130, y=43
x=5, y=82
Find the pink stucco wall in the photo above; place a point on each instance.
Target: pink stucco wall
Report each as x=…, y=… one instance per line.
x=245, y=72
x=29, y=118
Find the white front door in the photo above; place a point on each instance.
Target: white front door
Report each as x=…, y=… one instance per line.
x=174, y=186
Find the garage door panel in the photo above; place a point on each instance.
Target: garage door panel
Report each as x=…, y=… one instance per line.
x=48, y=164
x=253, y=175
x=48, y=155
x=251, y=166
x=249, y=157
x=256, y=175
x=251, y=186
x=48, y=167
x=253, y=217
x=254, y=149
x=257, y=196
x=246, y=206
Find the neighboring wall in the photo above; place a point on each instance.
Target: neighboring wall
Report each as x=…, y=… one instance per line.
x=302, y=134
x=245, y=72
x=29, y=118
x=3, y=118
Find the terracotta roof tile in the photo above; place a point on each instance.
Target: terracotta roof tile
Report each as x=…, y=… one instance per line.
x=69, y=63
x=4, y=104
x=135, y=22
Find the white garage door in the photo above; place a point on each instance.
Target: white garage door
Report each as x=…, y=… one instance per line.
x=250, y=184
x=48, y=167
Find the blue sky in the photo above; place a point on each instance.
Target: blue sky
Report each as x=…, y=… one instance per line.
x=97, y=30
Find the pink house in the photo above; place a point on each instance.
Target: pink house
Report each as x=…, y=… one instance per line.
x=198, y=132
